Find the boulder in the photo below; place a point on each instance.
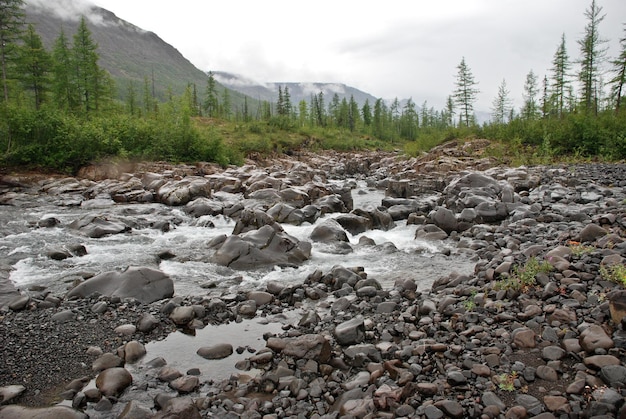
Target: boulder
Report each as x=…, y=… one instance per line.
x=53, y=412
x=180, y=192
x=218, y=351
x=96, y=226
x=203, y=206
x=354, y=224
x=113, y=381
x=263, y=247
x=144, y=284
x=329, y=231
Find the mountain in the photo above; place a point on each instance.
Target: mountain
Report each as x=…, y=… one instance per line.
x=128, y=52
x=297, y=91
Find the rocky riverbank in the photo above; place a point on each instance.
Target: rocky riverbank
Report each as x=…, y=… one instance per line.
x=537, y=330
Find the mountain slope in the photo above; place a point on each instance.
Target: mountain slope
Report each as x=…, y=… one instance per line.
x=297, y=91
x=129, y=53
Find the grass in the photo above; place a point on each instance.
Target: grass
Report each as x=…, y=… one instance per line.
x=523, y=277
x=614, y=273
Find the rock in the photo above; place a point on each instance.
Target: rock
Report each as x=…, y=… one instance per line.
x=262, y=247
x=591, y=233
x=144, y=284
x=613, y=375
x=524, y=338
x=180, y=192
x=218, y=351
x=489, y=398
x=185, y=383
x=168, y=374
x=617, y=305
x=63, y=316
x=147, y=322
x=8, y=393
x=261, y=298
x=125, y=330
x=598, y=361
x=113, y=381
x=350, y=332
x=451, y=408
x=203, y=206
x=310, y=346
x=594, y=337
x=444, y=219
x=135, y=410
x=329, y=231
x=20, y=302
x=106, y=361
x=354, y=224
x=97, y=226
x=134, y=351
x=54, y=412
x=182, y=315
x=179, y=407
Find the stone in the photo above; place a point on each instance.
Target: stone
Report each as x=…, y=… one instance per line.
x=532, y=405
x=147, y=322
x=182, y=315
x=20, y=302
x=135, y=410
x=524, y=338
x=613, y=375
x=185, y=383
x=311, y=346
x=329, y=231
x=218, y=351
x=451, y=408
x=178, y=407
x=591, y=232
x=444, y=219
x=113, y=381
x=547, y=373
x=553, y=353
x=134, y=351
x=555, y=403
x=54, y=412
x=617, y=305
x=8, y=393
x=144, y=284
x=125, y=329
x=598, y=361
x=97, y=226
x=106, y=361
x=168, y=374
x=594, y=337
x=489, y=398
x=350, y=332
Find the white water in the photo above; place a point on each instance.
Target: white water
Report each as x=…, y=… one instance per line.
x=397, y=254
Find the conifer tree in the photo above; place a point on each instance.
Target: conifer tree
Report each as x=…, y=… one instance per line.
x=465, y=93
x=34, y=64
x=618, y=80
x=560, y=80
x=11, y=26
x=90, y=79
x=529, y=110
x=366, y=112
x=210, y=97
x=501, y=104
x=63, y=87
x=592, y=56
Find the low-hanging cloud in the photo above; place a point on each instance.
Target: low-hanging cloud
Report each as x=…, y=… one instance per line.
x=69, y=10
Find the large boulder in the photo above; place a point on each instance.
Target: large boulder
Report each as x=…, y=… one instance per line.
x=329, y=231
x=180, y=192
x=267, y=246
x=354, y=224
x=96, y=226
x=52, y=412
x=141, y=283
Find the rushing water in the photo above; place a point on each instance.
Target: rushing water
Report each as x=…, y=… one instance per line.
x=25, y=247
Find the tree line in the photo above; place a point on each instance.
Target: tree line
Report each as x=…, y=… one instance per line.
x=61, y=110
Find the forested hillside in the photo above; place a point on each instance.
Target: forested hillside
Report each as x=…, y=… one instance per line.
x=69, y=99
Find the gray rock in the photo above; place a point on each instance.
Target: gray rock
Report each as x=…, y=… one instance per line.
x=135, y=410
x=594, y=337
x=97, y=226
x=218, y=351
x=613, y=375
x=147, y=322
x=8, y=393
x=20, y=302
x=106, y=361
x=350, y=332
x=54, y=412
x=182, y=315
x=179, y=407
x=144, y=284
x=329, y=231
x=185, y=383
x=113, y=381
x=134, y=351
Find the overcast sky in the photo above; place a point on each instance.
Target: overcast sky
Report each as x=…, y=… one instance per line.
x=387, y=48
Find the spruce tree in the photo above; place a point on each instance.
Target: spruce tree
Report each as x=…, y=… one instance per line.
x=11, y=27
x=210, y=97
x=529, y=110
x=34, y=64
x=465, y=93
x=501, y=104
x=63, y=86
x=560, y=81
x=89, y=78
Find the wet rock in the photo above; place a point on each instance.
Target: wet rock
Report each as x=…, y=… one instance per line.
x=113, y=381
x=8, y=393
x=19, y=303
x=144, y=284
x=134, y=351
x=185, y=383
x=135, y=410
x=54, y=412
x=147, y=322
x=182, y=315
x=309, y=346
x=262, y=247
x=106, y=361
x=97, y=226
x=176, y=193
x=329, y=231
x=350, y=332
x=218, y=351
x=354, y=224
x=179, y=407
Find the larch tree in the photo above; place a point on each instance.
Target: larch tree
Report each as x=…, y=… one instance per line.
x=90, y=79
x=560, y=78
x=465, y=93
x=34, y=64
x=210, y=97
x=63, y=87
x=592, y=54
x=11, y=26
x=531, y=89
x=618, y=80
x=366, y=113
x=501, y=104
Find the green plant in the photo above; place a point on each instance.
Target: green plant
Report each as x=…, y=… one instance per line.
x=579, y=249
x=524, y=277
x=614, y=273
x=506, y=381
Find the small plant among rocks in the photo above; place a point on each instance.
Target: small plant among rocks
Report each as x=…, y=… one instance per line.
x=579, y=249
x=506, y=382
x=614, y=273
x=524, y=277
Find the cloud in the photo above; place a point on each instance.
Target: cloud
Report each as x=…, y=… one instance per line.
x=69, y=10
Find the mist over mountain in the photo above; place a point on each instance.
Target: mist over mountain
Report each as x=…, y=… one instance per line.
x=297, y=91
